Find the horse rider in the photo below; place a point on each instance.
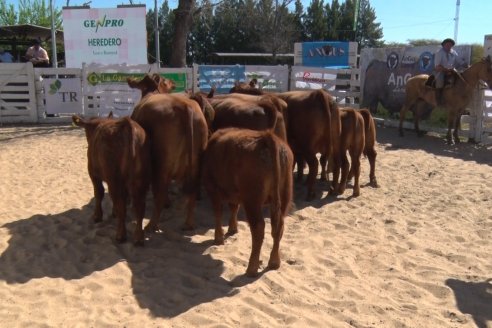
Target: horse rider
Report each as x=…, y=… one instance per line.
x=445, y=61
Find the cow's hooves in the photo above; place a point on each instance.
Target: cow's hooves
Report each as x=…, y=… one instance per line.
x=151, y=228
x=231, y=232
x=96, y=219
x=273, y=265
x=310, y=196
x=187, y=227
x=218, y=242
x=252, y=273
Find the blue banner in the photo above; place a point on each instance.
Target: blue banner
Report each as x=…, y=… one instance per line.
x=325, y=54
x=223, y=77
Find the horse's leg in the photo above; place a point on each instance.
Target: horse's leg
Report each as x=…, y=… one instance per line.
x=403, y=113
x=449, y=140
x=457, y=121
x=419, y=107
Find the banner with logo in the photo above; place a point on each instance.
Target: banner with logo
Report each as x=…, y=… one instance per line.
x=107, y=88
x=385, y=72
x=63, y=96
x=222, y=77
x=269, y=78
x=105, y=36
x=327, y=54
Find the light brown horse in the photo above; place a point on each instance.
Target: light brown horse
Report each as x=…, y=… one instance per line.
x=455, y=98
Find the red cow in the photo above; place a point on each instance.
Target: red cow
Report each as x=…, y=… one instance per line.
x=251, y=112
x=358, y=137
x=119, y=154
x=370, y=146
x=151, y=84
x=313, y=126
x=252, y=169
x=178, y=136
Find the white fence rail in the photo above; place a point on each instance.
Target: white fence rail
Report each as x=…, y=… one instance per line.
x=24, y=92
x=17, y=93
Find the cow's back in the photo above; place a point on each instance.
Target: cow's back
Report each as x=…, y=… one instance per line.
x=177, y=130
x=242, y=164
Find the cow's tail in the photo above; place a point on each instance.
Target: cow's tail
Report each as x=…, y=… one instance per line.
x=270, y=112
x=128, y=138
x=333, y=124
x=190, y=175
x=276, y=202
x=369, y=127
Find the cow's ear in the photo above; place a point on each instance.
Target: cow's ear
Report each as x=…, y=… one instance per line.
x=132, y=82
x=77, y=121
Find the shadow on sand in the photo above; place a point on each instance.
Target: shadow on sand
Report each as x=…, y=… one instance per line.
x=68, y=245
x=474, y=298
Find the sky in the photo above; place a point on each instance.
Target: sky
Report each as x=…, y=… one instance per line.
x=401, y=20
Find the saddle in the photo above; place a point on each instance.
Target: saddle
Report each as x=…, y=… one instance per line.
x=449, y=79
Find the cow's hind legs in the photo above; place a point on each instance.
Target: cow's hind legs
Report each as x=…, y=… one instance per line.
x=257, y=228
x=277, y=233
x=234, y=209
x=98, y=195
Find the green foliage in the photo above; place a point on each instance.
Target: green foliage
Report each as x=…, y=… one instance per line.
x=8, y=16
x=35, y=12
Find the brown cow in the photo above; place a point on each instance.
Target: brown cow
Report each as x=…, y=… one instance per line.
x=252, y=169
x=178, y=135
x=352, y=140
x=151, y=84
x=313, y=126
x=353, y=134
x=251, y=112
x=119, y=154
x=370, y=145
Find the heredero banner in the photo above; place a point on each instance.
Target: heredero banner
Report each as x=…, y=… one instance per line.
x=105, y=36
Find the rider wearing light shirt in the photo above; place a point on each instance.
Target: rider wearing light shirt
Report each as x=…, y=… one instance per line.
x=445, y=61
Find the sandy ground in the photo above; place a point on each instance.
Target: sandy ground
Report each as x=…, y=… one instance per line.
x=416, y=252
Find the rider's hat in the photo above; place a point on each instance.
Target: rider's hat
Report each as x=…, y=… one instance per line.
x=447, y=40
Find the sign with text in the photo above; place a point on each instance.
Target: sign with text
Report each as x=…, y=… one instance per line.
x=222, y=77
x=327, y=54
x=63, y=96
x=108, y=89
x=105, y=36
x=385, y=72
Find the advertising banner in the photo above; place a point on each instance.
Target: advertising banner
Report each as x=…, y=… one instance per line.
x=63, y=96
x=109, y=91
x=105, y=36
x=385, y=72
x=269, y=78
x=222, y=77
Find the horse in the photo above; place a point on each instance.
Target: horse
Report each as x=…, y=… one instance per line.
x=455, y=98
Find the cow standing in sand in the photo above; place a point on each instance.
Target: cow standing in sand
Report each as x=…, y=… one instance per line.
x=119, y=154
x=178, y=134
x=252, y=169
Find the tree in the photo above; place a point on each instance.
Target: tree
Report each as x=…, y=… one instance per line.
x=166, y=21
x=35, y=12
x=275, y=26
x=369, y=33
x=8, y=16
x=315, y=21
x=182, y=26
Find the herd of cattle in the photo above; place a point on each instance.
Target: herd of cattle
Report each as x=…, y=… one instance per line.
x=242, y=147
